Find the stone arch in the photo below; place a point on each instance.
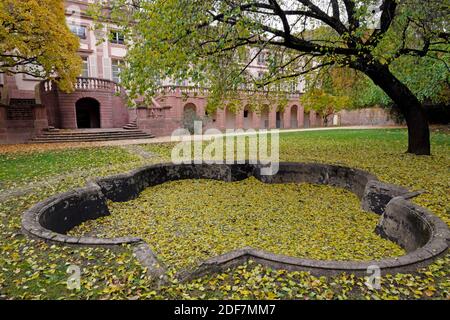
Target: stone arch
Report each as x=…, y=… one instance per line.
x=189, y=116
x=279, y=120
x=248, y=117
x=294, y=116
x=87, y=112
x=189, y=107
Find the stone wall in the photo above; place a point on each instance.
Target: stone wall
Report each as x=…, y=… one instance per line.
x=367, y=116
x=19, y=131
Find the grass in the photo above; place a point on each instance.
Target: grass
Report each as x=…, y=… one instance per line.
x=27, y=167
x=34, y=270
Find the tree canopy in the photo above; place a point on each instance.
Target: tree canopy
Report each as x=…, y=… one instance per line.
x=35, y=40
x=207, y=42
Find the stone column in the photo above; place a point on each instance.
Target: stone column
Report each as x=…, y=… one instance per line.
x=273, y=118
x=220, y=119
x=312, y=119
x=239, y=119
x=287, y=117
x=301, y=116
x=256, y=121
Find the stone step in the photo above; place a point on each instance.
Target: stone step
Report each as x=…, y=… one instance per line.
x=95, y=137
x=53, y=136
x=59, y=134
x=131, y=126
x=37, y=140
x=89, y=135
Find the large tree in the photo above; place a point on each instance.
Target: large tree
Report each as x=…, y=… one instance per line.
x=207, y=42
x=35, y=40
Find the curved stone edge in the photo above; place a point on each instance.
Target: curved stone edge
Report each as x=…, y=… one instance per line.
x=128, y=186
x=92, y=200
x=413, y=227
x=378, y=194
x=156, y=270
x=422, y=234
x=44, y=221
x=405, y=264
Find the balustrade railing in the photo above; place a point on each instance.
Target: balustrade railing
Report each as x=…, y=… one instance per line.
x=96, y=84
x=199, y=91
x=86, y=84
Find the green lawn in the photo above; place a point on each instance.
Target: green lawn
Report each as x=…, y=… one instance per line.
x=27, y=167
x=30, y=269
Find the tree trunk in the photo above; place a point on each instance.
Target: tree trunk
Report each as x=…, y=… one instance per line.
x=409, y=105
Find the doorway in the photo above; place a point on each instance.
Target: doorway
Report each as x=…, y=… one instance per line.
x=88, y=113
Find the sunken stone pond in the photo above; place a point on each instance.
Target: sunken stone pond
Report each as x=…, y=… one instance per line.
x=324, y=219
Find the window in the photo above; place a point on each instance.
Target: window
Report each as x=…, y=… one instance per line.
x=79, y=31
x=85, y=67
x=294, y=86
x=117, y=37
x=261, y=59
x=116, y=67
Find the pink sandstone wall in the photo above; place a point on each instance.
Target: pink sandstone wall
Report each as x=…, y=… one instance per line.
x=61, y=107
x=167, y=116
x=367, y=116
x=18, y=131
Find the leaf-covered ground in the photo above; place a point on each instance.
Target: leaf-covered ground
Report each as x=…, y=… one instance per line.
x=19, y=169
x=31, y=269
x=188, y=221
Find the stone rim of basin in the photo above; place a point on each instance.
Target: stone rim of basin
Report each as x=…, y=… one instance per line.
x=423, y=235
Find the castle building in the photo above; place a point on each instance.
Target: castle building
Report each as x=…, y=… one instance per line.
x=30, y=106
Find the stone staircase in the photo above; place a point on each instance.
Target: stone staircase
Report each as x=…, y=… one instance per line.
x=131, y=126
x=90, y=135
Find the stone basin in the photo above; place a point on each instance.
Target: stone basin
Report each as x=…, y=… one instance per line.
x=423, y=235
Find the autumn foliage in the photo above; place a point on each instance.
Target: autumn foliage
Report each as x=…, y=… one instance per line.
x=35, y=40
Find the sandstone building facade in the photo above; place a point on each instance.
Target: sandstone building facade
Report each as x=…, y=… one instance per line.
x=29, y=106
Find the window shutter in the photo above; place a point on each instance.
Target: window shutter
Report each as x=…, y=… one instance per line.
x=93, y=66
x=107, y=74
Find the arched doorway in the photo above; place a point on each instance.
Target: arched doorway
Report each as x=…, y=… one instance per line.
x=190, y=108
x=294, y=115
x=190, y=116
x=88, y=113
x=279, y=120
